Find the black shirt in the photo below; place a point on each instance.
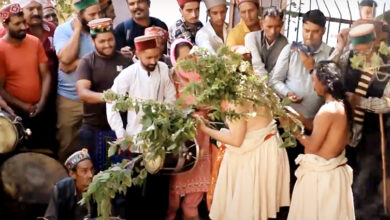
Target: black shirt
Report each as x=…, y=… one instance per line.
x=101, y=71
x=125, y=36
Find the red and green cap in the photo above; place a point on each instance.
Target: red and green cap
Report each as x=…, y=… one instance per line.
x=362, y=34
x=9, y=10
x=100, y=25
x=83, y=4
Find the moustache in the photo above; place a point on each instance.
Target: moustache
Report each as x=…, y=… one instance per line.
x=36, y=16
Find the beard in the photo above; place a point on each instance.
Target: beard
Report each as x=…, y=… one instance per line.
x=20, y=35
x=84, y=22
x=149, y=67
x=102, y=53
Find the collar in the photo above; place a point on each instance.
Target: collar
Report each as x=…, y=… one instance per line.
x=182, y=22
x=320, y=49
x=242, y=23
x=212, y=31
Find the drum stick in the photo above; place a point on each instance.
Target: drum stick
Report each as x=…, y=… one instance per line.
x=384, y=172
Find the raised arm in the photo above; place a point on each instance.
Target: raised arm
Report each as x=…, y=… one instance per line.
x=68, y=48
x=234, y=136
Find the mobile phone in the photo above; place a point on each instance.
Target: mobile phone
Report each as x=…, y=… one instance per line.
x=301, y=47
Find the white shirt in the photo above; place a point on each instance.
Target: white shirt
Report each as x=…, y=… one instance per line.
x=135, y=81
x=207, y=38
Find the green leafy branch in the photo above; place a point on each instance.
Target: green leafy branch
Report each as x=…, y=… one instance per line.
x=105, y=185
x=374, y=64
x=227, y=77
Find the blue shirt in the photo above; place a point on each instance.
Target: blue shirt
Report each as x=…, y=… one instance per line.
x=67, y=81
x=289, y=75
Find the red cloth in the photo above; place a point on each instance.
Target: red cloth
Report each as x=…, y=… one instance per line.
x=9, y=10
x=145, y=42
x=242, y=1
x=183, y=2
x=19, y=65
x=157, y=31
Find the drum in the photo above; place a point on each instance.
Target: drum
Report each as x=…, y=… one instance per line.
x=182, y=162
x=27, y=182
x=11, y=132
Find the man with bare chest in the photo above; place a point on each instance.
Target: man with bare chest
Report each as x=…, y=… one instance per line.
x=323, y=186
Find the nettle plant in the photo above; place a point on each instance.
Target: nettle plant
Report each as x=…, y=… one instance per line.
x=224, y=77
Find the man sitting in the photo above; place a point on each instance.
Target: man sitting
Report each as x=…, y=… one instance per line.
x=67, y=192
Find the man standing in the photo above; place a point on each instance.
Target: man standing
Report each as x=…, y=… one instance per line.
x=249, y=12
x=266, y=45
x=72, y=41
x=36, y=26
x=146, y=79
x=188, y=25
x=367, y=9
x=24, y=83
x=126, y=31
x=50, y=13
x=213, y=35
x=291, y=76
x=63, y=204
x=162, y=39
x=107, y=9
x=323, y=188
x=96, y=73
x=369, y=95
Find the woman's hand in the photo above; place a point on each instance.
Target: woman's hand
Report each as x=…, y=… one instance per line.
x=200, y=122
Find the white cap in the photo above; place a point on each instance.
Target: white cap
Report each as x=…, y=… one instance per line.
x=213, y=3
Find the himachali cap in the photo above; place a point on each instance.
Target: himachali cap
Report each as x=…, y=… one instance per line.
x=239, y=49
x=183, y=2
x=362, y=34
x=83, y=4
x=9, y=10
x=157, y=31
x=145, y=42
x=100, y=25
x=24, y=3
x=76, y=158
x=242, y=1
x=213, y=3
x=369, y=3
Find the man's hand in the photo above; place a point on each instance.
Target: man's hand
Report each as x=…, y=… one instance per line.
x=76, y=24
x=3, y=105
x=37, y=109
x=353, y=99
x=126, y=51
x=342, y=39
x=307, y=61
x=294, y=98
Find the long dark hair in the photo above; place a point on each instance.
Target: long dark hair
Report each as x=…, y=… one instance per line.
x=329, y=74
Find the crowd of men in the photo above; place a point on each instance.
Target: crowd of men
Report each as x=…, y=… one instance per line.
x=53, y=76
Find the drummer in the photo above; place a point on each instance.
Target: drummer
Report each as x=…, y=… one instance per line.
x=67, y=192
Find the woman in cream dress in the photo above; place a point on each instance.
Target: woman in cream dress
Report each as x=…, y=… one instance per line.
x=254, y=179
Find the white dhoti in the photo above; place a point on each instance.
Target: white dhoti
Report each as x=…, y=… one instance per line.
x=254, y=179
x=323, y=189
